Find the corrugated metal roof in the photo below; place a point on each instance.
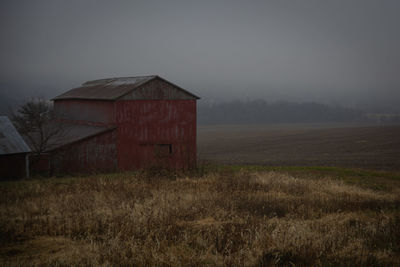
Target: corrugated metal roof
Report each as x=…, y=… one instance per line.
x=105, y=89
x=70, y=133
x=110, y=89
x=76, y=132
x=11, y=141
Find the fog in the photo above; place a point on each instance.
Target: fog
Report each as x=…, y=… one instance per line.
x=335, y=52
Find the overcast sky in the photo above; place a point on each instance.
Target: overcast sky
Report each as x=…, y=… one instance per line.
x=332, y=51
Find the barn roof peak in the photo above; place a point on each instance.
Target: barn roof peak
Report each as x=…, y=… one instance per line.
x=113, y=88
x=120, y=81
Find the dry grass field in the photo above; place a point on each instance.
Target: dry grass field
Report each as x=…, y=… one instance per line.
x=282, y=212
x=228, y=216
x=359, y=146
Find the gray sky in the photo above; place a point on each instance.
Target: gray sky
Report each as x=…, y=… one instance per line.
x=333, y=51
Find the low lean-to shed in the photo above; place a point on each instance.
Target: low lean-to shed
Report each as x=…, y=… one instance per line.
x=148, y=122
x=78, y=148
x=14, y=151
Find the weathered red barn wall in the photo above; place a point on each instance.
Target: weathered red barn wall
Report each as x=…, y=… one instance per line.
x=94, y=154
x=13, y=166
x=89, y=111
x=157, y=89
x=144, y=125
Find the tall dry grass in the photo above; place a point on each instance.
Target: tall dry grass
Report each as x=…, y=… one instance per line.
x=242, y=218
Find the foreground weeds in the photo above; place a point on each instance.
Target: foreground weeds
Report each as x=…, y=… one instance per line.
x=222, y=218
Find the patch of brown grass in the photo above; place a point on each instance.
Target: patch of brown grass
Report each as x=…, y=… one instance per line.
x=223, y=218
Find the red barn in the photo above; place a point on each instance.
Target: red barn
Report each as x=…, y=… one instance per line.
x=125, y=124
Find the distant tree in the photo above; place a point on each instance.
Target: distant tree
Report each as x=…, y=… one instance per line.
x=36, y=122
x=260, y=111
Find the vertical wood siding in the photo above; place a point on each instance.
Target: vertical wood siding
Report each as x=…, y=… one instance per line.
x=144, y=125
x=85, y=111
x=94, y=154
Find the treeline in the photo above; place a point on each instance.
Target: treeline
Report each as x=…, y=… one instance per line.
x=260, y=111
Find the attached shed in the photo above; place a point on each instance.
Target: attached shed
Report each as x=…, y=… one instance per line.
x=154, y=120
x=78, y=148
x=13, y=152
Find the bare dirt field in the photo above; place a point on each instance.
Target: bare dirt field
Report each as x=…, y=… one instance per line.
x=359, y=146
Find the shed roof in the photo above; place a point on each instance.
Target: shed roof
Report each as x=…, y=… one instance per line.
x=111, y=88
x=70, y=133
x=76, y=132
x=11, y=141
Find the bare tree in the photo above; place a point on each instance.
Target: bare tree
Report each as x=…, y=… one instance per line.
x=36, y=122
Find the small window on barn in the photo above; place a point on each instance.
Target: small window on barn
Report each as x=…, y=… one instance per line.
x=163, y=150
x=2, y=135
